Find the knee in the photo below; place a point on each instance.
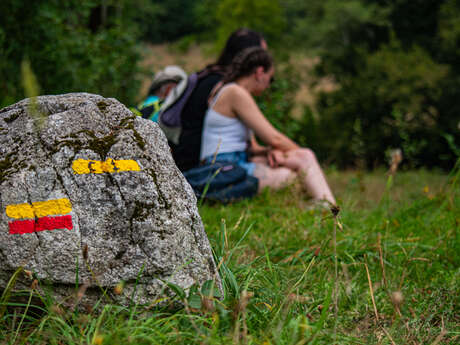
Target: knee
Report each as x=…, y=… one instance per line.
x=283, y=176
x=307, y=155
x=286, y=174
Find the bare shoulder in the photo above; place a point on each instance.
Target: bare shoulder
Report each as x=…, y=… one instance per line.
x=235, y=101
x=236, y=91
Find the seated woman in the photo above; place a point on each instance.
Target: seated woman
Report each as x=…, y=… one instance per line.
x=233, y=118
x=186, y=153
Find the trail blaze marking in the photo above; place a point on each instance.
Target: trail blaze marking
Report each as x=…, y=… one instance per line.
x=47, y=215
x=39, y=209
x=88, y=166
x=20, y=211
x=41, y=224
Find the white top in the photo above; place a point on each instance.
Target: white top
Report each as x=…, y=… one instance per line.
x=221, y=133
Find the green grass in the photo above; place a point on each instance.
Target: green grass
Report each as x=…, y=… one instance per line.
x=277, y=262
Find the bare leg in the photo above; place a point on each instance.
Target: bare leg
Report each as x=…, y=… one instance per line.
x=273, y=177
x=304, y=162
x=301, y=162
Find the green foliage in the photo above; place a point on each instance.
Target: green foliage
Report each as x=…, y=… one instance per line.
x=386, y=104
x=265, y=16
x=6, y=294
x=416, y=22
x=331, y=26
x=72, y=46
x=397, y=85
x=168, y=20
x=29, y=81
x=277, y=102
x=204, y=16
x=32, y=90
x=449, y=28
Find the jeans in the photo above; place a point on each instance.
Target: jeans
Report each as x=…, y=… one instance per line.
x=239, y=158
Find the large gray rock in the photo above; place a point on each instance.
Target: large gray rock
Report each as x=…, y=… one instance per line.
x=105, y=181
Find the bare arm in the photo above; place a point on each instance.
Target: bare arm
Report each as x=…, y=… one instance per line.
x=244, y=106
x=255, y=148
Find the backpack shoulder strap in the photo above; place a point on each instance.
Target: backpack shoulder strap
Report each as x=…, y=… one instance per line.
x=174, y=103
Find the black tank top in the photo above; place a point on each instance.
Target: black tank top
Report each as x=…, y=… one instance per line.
x=187, y=152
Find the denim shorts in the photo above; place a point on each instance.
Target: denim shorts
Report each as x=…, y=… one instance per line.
x=239, y=158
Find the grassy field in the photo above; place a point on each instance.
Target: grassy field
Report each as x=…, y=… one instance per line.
x=384, y=270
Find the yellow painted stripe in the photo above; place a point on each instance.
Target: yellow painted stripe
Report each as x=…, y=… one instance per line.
x=19, y=211
x=39, y=209
x=88, y=166
x=51, y=207
x=128, y=165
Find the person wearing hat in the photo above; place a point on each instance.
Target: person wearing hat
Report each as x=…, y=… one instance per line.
x=163, y=82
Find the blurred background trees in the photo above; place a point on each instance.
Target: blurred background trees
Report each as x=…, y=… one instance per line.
x=394, y=63
x=75, y=45
x=397, y=81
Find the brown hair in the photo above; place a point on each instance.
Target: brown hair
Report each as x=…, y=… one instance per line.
x=246, y=62
x=239, y=40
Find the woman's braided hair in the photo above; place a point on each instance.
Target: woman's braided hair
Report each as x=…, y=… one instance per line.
x=246, y=62
x=239, y=40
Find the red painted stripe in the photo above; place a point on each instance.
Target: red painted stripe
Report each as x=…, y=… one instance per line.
x=51, y=223
x=41, y=224
x=22, y=227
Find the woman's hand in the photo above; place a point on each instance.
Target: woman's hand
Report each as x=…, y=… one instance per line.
x=255, y=149
x=275, y=158
x=258, y=150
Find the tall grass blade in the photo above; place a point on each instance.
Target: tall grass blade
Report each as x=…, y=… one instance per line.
x=23, y=317
x=32, y=90
x=133, y=295
x=240, y=240
x=8, y=289
x=319, y=325
x=206, y=187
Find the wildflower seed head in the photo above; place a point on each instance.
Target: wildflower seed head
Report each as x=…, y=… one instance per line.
x=98, y=339
x=317, y=251
x=207, y=304
x=397, y=298
x=34, y=284
x=335, y=209
x=28, y=274
x=57, y=309
x=118, y=289
x=85, y=252
x=396, y=158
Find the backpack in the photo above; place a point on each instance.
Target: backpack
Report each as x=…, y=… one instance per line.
x=221, y=181
x=169, y=118
x=149, y=109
